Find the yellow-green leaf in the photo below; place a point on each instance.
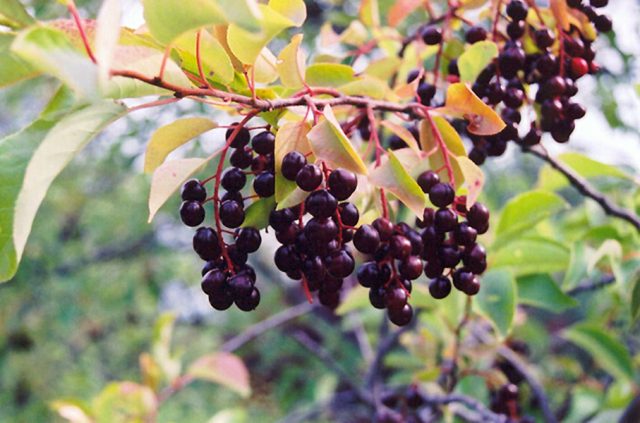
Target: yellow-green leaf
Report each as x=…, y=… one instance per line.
x=461, y=102
x=223, y=368
x=329, y=75
x=171, y=136
x=366, y=86
x=473, y=178
x=497, y=299
x=475, y=58
x=215, y=61
x=13, y=14
x=291, y=63
x=403, y=133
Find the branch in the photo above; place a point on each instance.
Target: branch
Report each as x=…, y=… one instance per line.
x=470, y=403
x=604, y=281
x=272, y=322
x=586, y=189
x=536, y=386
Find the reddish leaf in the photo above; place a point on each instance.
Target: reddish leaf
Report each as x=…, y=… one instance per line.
x=223, y=368
x=463, y=103
x=400, y=10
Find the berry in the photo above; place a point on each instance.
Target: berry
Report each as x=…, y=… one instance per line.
x=340, y=264
x=475, y=34
x=321, y=204
x=603, y=23
x=517, y=10
x=291, y=164
x=191, y=213
x=400, y=247
x=233, y=180
x=426, y=92
x=440, y=287
x=478, y=216
x=579, y=67
x=213, y=281
x=464, y=234
x=445, y=220
x=240, y=285
x=242, y=137
x=263, y=143
x=544, y=37
x=264, y=184
x=401, y=317
x=441, y=194
x=366, y=239
x=349, y=214
x=377, y=297
x=248, y=240
x=231, y=214
x=411, y=267
x=206, y=244
x=241, y=158
x=432, y=35
x=395, y=296
x=249, y=302
x=427, y=180
x=384, y=228
x=192, y=190
x=342, y=183
x=220, y=299
x=309, y=177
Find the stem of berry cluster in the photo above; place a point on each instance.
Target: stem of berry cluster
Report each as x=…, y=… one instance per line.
x=443, y=149
x=71, y=6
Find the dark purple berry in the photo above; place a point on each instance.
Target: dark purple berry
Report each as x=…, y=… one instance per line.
x=192, y=190
x=231, y=214
x=191, y=213
x=440, y=287
x=263, y=143
x=309, y=177
x=292, y=163
x=206, y=244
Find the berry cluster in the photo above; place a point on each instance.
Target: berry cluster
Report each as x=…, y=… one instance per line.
x=314, y=234
x=227, y=278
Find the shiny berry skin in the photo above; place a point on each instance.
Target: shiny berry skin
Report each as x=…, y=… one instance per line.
x=440, y=287
x=264, y=184
x=411, y=267
x=603, y=23
x=192, y=190
x=401, y=317
x=221, y=299
x=321, y=204
x=263, y=143
x=206, y=244
x=320, y=231
x=384, y=228
x=475, y=34
x=249, y=302
x=427, y=180
x=342, y=183
x=532, y=137
x=478, y=216
x=395, y=296
x=366, y=239
x=349, y=214
x=431, y=35
x=579, y=67
x=241, y=158
x=433, y=268
x=426, y=92
x=242, y=138
x=214, y=280
x=574, y=111
x=445, y=220
x=280, y=219
x=329, y=299
x=231, y=214
x=461, y=278
x=191, y=213
x=309, y=177
x=248, y=240
x=400, y=247
x=464, y=234
x=475, y=259
x=377, y=297
x=515, y=29
x=472, y=287
x=441, y=194
x=291, y=164
x=544, y=37
x=240, y=285
x=340, y=264
x=517, y=10
x=233, y=180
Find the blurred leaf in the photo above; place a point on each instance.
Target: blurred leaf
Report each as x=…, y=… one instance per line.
x=230, y=415
x=473, y=178
x=257, y=214
x=461, y=102
x=107, y=36
x=223, y=368
x=150, y=370
x=161, y=347
x=329, y=143
x=526, y=210
x=125, y=402
x=540, y=290
x=610, y=249
x=531, y=255
x=14, y=69
x=72, y=411
x=13, y=14
x=329, y=75
x=400, y=9
x=291, y=63
x=497, y=299
x=475, y=58
x=549, y=179
x=30, y=161
x=369, y=13
x=608, y=352
x=51, y=52
x=560, y=13
x=577, y=269
x=635, y=298
x=393, y=177
x=356, y=299
x=403, y=133
x=169, y=137
x=168, y=178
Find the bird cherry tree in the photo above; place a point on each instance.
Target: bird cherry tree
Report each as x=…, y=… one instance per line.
x=360, y=148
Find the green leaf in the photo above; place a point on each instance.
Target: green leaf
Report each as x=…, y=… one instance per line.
x=524, y=211
x=12, y=68
x=107, y=36
x=393, y=177
x=366, y=86
x=13, y=14
x=635, y=298
x=475, y=58
x=168, y=19
x=72, y=411
x=531, y=255
x=549, y=179
x=171, y=136
x=473, y=178
x=257, y=214
x=29, y=162
x=216, y=64
x=497, y=299
x=125, y=402
x=169, y=177
x=329, y=75
x=356, y=299
x=607, y=351
x=291, y=63
x=540, y=290
x=329, y=143
x=223, y=368
x=51, y=52
x=161, y=347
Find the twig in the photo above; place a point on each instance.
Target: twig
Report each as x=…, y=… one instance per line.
x=327, y=358
x=604, y=281
x=586, y=189
x=470, y=403
x=305, y=414
x=536, y=386
x=272, y=322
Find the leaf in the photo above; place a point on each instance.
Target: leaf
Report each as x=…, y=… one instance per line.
x=171, y=136
x=473, y=178
x=451, y=140
x=223, y=368
x=72, y=411
x=560, y=13
x=14, y=15
x=403, y=133
x=216, y=63
x=549, y=179
x=531, y=255
x=635, y=298
x=276, y=16
x=369, y=13
x=329, y=75
x=125, y=402
x=540, y=290
x=161, y=347
x=400, y=9
x=51, y=52
x=292, y=136
x=475, y=58
x=107, y=36
x=607, y=351
x=168, y=178
x=230, y=415
x=366, y=86
x=291, y=64
x=329, y=143
x=257, y=214
x=168, y=19
x=393, y=177
x=497, y=299
x=30, y=160
x=461, y=102
x=13, y=68
x=526, y=210
x=356, y=299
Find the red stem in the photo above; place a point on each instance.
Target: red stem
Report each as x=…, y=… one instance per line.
x=494, y=30
x=443, y=148
x=76, y=18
